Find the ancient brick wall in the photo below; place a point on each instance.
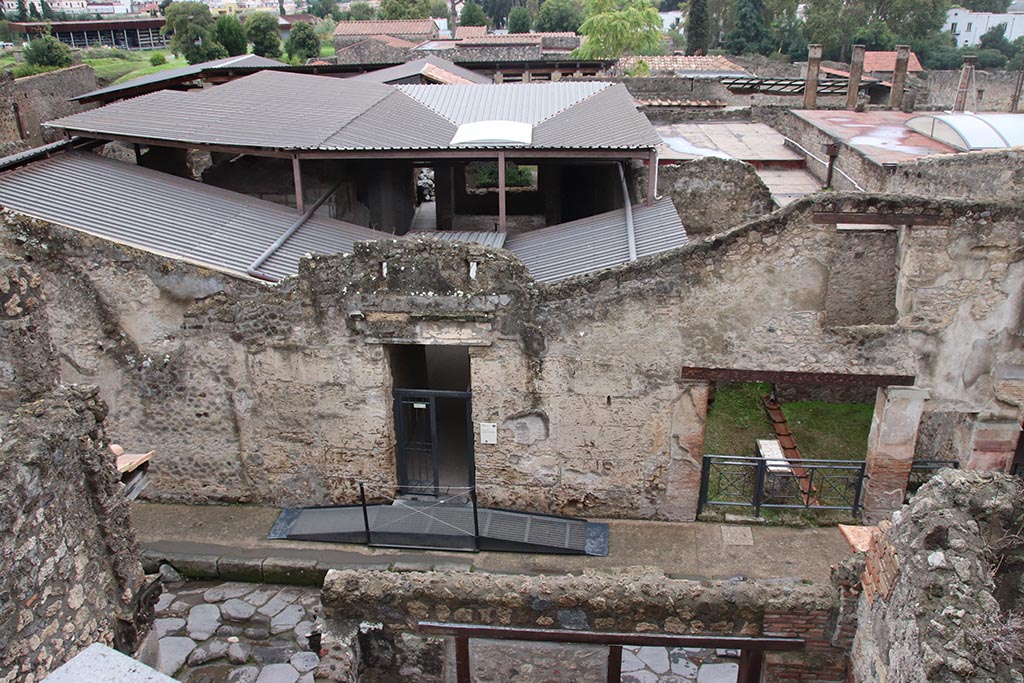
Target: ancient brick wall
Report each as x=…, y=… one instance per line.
x=997, y=174
x=641, y=602
x=713, y=194
x=368, y=51
x=283, y=394
x=941, y=584
x=71, y=562
x=994, y=90
x=33, y=100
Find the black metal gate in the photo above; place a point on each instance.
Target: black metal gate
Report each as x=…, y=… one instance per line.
x=416, y=435
x=753, y=482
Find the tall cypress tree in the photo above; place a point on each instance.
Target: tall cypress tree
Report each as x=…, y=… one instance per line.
x=22, y=11
x=33, y=11
x=750, y=34
x=697, y=34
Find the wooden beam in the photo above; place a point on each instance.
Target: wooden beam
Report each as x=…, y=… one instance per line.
x=789, y=377
x=462, y=674
x=823, y=218
x=652, y=177
x=751, y=662
x=614, y=664
x=297, y=176
x=501, y=192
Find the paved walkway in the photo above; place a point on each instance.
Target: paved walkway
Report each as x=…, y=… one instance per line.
x=752, y=142
x=681, y=550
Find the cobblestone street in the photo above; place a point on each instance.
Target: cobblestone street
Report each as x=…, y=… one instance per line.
x=678, y=665
x=214, y=632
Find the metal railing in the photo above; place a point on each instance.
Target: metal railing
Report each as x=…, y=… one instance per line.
x=752, y=648
x=749, y=482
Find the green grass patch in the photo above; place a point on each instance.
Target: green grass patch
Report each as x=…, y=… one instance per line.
x=147, y=69
x=326, y=49
x=109, y=69
x=736, y=419
x=834, y=431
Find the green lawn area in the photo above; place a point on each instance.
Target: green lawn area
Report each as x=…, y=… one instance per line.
x=112, y=67
x=172, y=63
x=837, y=431
x=327, y=49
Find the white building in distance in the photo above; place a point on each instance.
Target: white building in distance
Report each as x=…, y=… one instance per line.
x=968, y=27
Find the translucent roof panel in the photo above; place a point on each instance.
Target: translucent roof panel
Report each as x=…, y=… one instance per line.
x=493, y=134
x=972, y=131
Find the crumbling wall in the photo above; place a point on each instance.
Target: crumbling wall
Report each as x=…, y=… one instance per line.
x=995, y=174
x=713, y=194
x=942, y=592
x=368, y=51
x=71, y=573
x=26, y=103
x=994, y=90
x=283, y=394
x=389, y=605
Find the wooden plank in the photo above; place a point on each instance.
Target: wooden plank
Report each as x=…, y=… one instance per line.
x=789, y=377
x=615, y=664
x=462, y=659
x=877, y=218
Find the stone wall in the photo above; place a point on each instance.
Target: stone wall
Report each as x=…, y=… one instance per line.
x=71, y=572
x=997, y=174
x=389, y=605
x=942, y=585
x=994, y=88
x=283, y=395
x=33, y=100
x=713, y=194
x=369, y=51
x=705, y=89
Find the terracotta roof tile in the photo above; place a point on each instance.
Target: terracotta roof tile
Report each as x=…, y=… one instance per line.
x=885, y=60
x=375, y=27
x=689, y=63
x=469, y=32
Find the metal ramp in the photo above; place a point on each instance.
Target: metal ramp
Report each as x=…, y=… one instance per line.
x=436, y=525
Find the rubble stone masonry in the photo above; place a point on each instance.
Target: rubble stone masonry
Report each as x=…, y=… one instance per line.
x=283, y=394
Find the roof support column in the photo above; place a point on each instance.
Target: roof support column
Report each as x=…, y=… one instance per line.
x=856, y=71
x=652, y=177
x=297, y=176
x=899, y=77
x=501, y=192
x=811, y=82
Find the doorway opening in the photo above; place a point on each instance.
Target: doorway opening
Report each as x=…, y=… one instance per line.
x=433, y=418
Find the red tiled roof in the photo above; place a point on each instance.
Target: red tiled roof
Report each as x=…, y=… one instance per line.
x=469, y=32
x=885, y=61
x=388, y=27
x=307, y=18
x=717, y=63
x=514, y=38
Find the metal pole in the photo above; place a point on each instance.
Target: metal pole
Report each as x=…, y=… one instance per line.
x=759, y=486
x=652, y=177
x=476, y=520
x=366, y=517
x=501, y=192
x=859, y=488
x=462, y=659
x=705, y=476
x=614, y=663
x=297, y=176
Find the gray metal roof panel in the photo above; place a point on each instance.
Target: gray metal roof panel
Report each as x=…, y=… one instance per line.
x=376, y=128
x=525, y=102
x=485, y=238
x=609, y=119
x=157, y=212
x=415, y=68
x=318, y=235
x=248, y=61
x=597, y=242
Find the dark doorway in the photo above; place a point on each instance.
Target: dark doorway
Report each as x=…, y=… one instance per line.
x=433, y=413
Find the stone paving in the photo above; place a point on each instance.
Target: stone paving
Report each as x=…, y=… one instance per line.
x=678, y=665
x=212, y=632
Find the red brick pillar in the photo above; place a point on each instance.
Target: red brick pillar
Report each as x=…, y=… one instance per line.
x=686, y=453
x=811, y=80
x=891, y=448
x=993, y=445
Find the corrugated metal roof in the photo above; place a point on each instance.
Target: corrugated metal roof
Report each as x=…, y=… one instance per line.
x=418, y=67
x=196, y=70
x=597, y=242
x=486, y=238
x=419, y=128
x=168, y=215
x=525, y=102
x=608, y=119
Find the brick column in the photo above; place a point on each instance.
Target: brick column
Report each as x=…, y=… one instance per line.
x=891, y=448
x=993, y=445
x=686, y=453
x=856, y=71
x=811, y=84
x=899, y=76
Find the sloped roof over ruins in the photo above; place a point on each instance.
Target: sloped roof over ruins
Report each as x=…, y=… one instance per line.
x=261, y=111
x=883, y=61
x=236, y=234
x=432, y=68
x=390, y=27
x=701, y=65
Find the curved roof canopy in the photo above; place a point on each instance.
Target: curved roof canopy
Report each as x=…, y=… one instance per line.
x=972, y=131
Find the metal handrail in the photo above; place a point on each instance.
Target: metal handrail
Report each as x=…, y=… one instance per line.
x=823, y=162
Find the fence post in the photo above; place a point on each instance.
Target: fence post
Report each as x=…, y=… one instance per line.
x=614, y=663
x=860, y=487
x=462, y=659
x=476, y=520
x=705, y=475
x=759, y=486
x=366, y=517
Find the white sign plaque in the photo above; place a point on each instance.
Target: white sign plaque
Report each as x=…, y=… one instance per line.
x=488, y=432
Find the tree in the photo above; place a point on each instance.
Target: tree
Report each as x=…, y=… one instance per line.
x=995, y=39
x=559, y=15
x=472, y=15
x=519, y=20
x=404, y=9
x=48, y=51
x=997, y=6
x=322, y=8
x=620, y=27
x=303, y=43
x=874, y=36
x=263, y=34
x=991, y=59
x=280, y=7
x=361, y=11
x=192, y=29
x=533, y=7
x=230, y=33
x=164, y=4
x=697, y=38
x=47, y=10
x=33, y=12
x=22, y=11
x=750, y=34
x=497, y=10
